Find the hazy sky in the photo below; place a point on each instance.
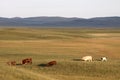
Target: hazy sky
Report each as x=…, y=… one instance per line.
x=65, y=8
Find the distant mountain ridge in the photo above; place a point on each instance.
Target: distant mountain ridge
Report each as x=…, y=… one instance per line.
x=61, y=21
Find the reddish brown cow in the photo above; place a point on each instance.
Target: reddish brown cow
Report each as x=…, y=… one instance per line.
x=27, y=61
x=51, y=63
x=11, y=63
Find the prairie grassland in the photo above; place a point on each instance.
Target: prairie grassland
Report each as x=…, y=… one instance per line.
x=66, y=46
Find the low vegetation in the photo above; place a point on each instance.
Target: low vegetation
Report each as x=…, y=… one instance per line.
x=64, y=45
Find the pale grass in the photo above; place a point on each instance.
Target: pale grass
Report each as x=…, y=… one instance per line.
x=66, y=46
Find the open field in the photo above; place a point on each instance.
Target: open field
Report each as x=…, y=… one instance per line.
x=66, y=46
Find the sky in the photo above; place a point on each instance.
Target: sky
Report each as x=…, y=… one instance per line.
x=63, y=8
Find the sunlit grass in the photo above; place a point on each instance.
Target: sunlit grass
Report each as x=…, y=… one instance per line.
x=66, y=46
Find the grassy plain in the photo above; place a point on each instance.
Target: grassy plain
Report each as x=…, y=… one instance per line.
x=66, y=46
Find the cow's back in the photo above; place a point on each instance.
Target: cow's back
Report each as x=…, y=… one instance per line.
x=87, y=58
x=51, y=63
x=27, y=60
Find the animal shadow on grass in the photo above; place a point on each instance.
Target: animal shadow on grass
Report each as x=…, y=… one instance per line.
x=97, y=59
x=83, y=60
x=42, y=65
x=19, y=64
x=77, y=59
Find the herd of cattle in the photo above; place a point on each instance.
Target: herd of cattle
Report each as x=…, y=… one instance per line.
x=29, y=61
x=51, y=63
x=89, y=58
x=24, y=61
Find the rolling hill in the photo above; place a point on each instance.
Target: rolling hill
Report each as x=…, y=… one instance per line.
x=61, y=21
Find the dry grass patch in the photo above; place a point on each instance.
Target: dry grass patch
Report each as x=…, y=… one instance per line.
x=64, y=45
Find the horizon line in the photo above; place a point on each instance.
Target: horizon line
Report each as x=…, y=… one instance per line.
x=59, y=16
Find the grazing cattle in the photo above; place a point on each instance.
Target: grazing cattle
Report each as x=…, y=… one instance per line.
x=103, y=59
x=11, y=63
x=51, y=63
x=27, y=61
x=87, y=58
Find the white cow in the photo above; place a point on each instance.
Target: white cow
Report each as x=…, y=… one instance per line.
x=103, y=59
x=87, y=58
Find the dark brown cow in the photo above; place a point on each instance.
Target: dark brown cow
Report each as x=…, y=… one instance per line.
x=51, y=63
x=11, y=63
x=27, y=61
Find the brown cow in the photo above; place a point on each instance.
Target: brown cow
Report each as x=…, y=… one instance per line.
x=27, y=61
x=51, y=63
x=11, y=63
